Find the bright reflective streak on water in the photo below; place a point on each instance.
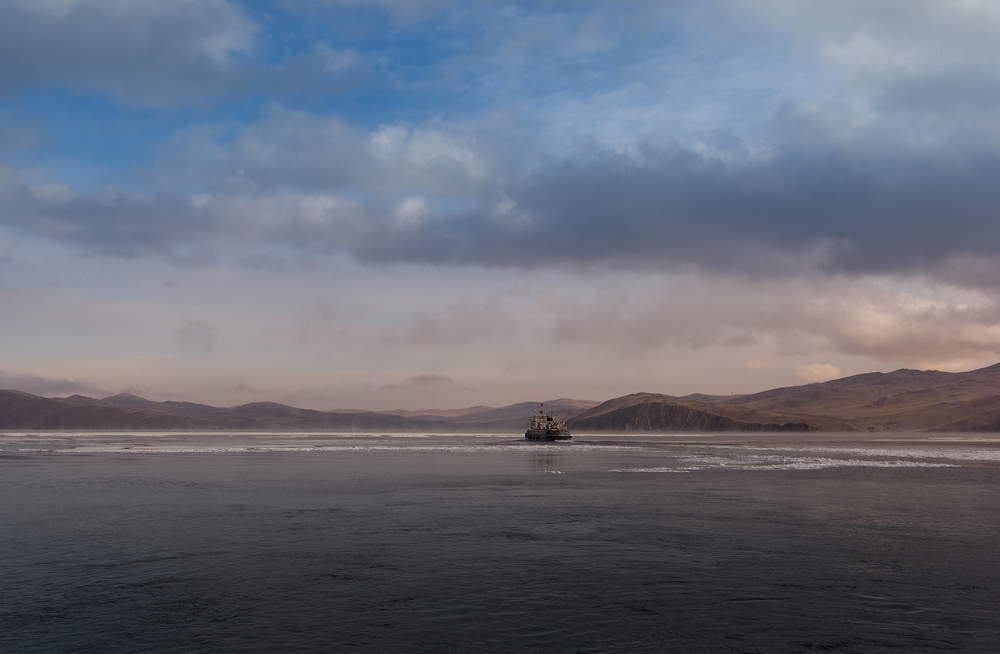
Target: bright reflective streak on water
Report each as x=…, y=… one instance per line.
x=133, y=542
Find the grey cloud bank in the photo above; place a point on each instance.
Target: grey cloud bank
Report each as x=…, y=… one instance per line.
x=139, y=51
x=846, y=208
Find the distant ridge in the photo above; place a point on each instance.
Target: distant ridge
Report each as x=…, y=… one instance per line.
x=655, y=412
x=440, y=413
x=904, y=399
x=25, y=411
x=917, y=400
x=187, y=408
x=20, y=410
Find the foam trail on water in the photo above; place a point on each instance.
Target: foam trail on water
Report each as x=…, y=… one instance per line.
x=907, y=453
x=782, y=463
x=133, y=449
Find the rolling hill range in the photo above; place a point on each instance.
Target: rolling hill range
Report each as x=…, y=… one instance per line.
x=20, y=410
x=927, y=400
x=654, y=412
x=903, y=399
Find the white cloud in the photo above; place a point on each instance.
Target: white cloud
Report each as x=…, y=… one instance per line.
x=338, y=61
x=411, y=211
x=432, y=157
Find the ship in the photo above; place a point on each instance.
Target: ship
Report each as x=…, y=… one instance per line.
x=546, y=428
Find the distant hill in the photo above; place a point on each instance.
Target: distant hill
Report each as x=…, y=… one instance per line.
x=903, y=399
x=654, y=412
x=126, y=411
x=24, y=411
x=440, y=413
x=562, y=409
x=187, y=408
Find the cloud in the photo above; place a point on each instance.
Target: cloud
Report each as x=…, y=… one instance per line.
x=419, y=380
x=935, y=54
x=916, y=324
x=247, y=390
x=110, y=222
x=196, y=336
x=142, y=50
x=263, y=262
x=48, y=387
x=867, y=171
x=290, y=150
x=463, y=323
x=819, y=202
x=789, y=182
x=795, y=179
x=817, y=372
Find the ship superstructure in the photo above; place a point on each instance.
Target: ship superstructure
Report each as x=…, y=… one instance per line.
x=546, y=428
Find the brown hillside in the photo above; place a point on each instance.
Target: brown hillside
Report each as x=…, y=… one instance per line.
x=654, y=412
x=25, y=411
x=904, y=399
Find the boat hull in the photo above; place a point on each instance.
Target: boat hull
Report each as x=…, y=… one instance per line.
x=545, y=435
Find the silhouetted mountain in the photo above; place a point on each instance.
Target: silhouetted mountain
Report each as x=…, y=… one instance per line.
x=170, y=406
x=654, y=412
x=126, y=411
x=435, y=413
x=24, y=411
x=903, y=399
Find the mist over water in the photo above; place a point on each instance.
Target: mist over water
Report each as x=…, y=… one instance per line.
x=187, y=543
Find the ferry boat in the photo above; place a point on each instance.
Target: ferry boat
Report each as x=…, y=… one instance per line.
x=546, y=428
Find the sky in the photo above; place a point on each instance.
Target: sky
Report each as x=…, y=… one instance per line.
x=433, y=203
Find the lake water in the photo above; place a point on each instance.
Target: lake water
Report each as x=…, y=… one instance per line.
x=197, y=543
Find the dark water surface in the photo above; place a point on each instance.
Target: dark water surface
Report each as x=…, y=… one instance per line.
x=185, y=543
